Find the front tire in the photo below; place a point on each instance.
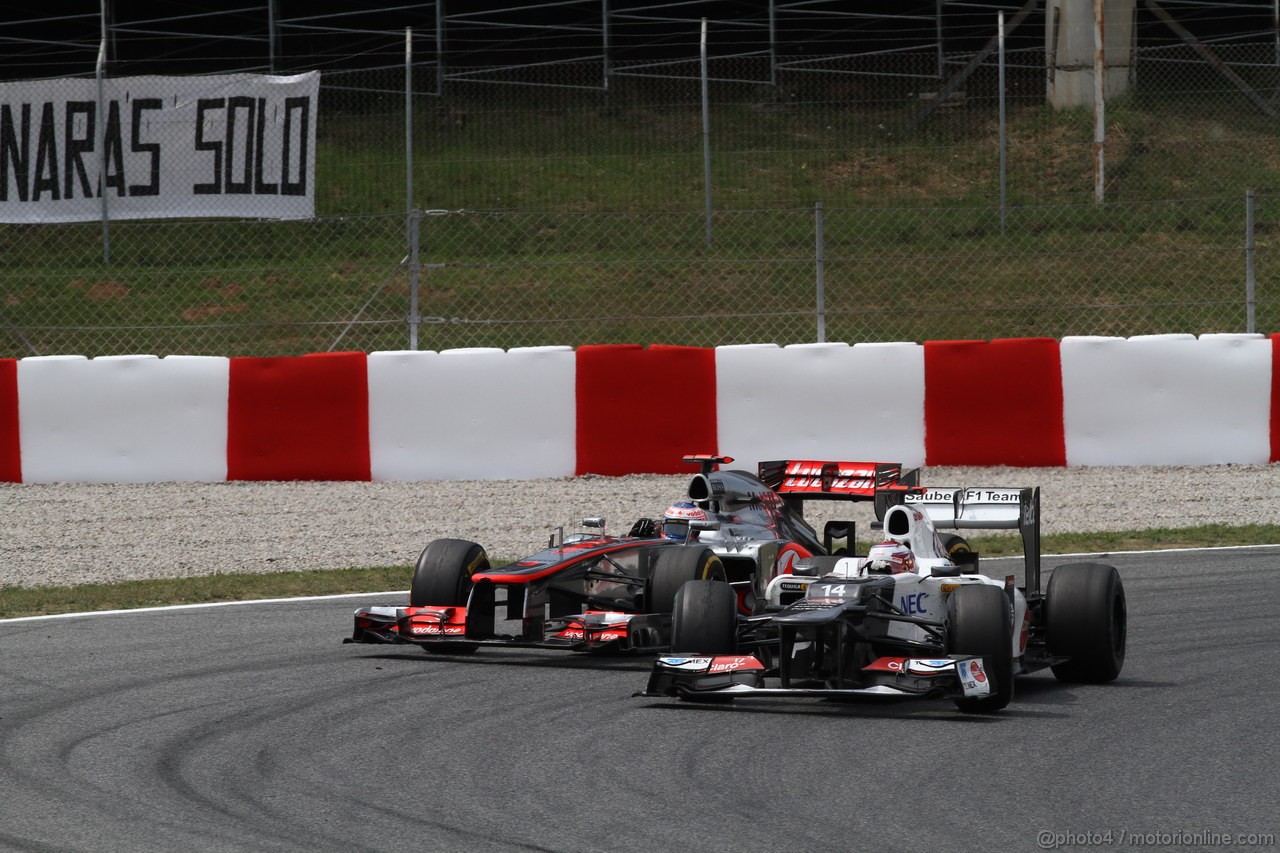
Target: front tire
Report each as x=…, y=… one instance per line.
x=705, y=619
x=1086, y=620
x=672, y=566
x=979, y=623
x=442, y=576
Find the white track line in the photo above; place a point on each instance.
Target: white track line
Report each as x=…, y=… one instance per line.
x=205, y=605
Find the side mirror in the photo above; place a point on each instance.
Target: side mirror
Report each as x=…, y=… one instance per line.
x=699, y=526
x=804, y=568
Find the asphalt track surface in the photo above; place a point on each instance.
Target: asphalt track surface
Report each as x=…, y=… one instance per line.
x=251, y=727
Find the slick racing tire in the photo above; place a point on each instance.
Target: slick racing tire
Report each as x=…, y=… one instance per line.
x=674, y=565
x=705, y=619
x=442, y=577
x=956, y=548
x=1086, y=620
x=979, y=623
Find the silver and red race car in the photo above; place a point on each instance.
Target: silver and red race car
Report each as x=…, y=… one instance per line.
x=912, y=618
x=592, y=591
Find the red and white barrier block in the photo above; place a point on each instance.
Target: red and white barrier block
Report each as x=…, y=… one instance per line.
x=121, y=419
x=621, y=409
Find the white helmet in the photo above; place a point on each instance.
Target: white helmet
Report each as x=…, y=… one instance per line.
x=890, y=558
x=675, y=521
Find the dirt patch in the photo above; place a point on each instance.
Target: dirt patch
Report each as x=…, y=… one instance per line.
x=100, y=291
x=204, y=312
x=227, y=290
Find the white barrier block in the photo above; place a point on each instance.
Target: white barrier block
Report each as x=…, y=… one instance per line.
x=123, y=419
x=862, y=403
x=472, y=414
x=1166, y=400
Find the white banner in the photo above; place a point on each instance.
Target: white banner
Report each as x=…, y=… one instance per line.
x=240, y=145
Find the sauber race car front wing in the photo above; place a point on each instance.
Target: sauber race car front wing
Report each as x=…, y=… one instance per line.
x=723, y=677
x=444, y=627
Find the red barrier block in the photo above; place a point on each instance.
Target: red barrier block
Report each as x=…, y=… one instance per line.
x=10, y=436
x=993, y=403
x=640, y=410
x=304, y=418
x=1275, y=398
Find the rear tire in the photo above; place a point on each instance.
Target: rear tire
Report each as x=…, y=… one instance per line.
x=979, y=623
x=1086, y=620
x=442, y=577
x=705, y=619
x=956, y=548
x=672, y=566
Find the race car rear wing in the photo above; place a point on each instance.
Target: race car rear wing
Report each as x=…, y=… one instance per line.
x=972, y=508
x=838, y=480
x=987, y=509
x=798, y=480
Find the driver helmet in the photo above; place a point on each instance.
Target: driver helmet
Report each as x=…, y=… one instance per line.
x=890, y=558
x=675, y=521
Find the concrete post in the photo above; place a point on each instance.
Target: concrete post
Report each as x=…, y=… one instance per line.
x=1070, y=50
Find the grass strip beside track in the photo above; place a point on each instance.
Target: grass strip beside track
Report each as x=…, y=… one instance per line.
x=40, y=601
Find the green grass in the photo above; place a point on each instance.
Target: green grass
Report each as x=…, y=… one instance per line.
x=37, y=601
x=127, y=595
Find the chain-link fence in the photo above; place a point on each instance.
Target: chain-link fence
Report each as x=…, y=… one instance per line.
x=567, y=204
x=849, y=274
x=510, y=279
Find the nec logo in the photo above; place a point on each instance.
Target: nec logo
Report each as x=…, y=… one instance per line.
x=913, y=604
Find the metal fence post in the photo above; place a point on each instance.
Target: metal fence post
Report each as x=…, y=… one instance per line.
x=100, y=140
x=408, y=118
x=604, y=43
x=1004, y=133
x=1099, y=103
x=773, y=43
x=706, y=134
x=272, y=35
x=1250, y=268
x=942, y=60
x=413, y=216
x=820, y=271
x=440, y=69
x=415, y=275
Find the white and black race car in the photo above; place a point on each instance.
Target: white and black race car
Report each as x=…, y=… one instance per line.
x=913, y=618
